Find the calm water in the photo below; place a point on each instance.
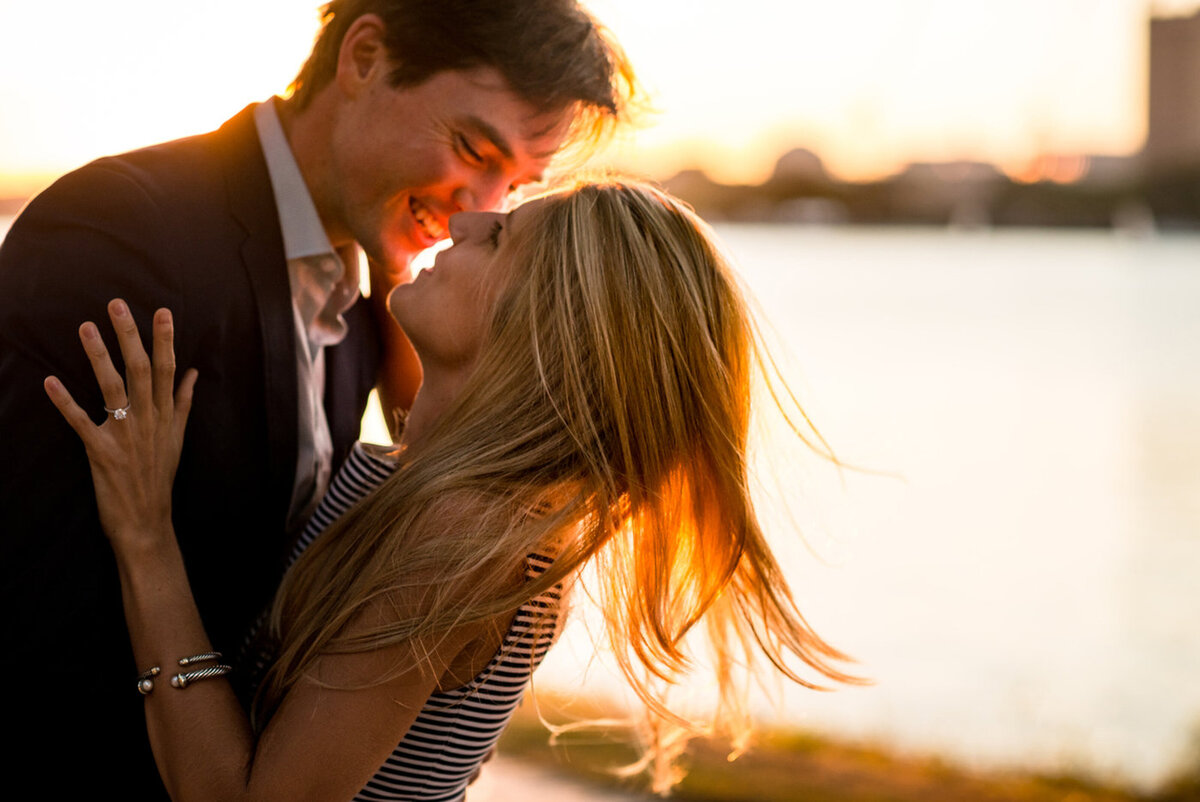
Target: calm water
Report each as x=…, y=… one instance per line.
x=1025, y=594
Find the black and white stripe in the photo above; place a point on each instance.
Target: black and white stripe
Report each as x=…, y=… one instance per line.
x=455, y=730
x=361, y=473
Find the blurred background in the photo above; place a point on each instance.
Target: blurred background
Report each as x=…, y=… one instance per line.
x=974, y=227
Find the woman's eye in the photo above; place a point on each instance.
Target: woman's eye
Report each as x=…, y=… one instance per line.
x=494, y=235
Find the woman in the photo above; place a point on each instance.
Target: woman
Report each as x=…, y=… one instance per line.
x=587, y=368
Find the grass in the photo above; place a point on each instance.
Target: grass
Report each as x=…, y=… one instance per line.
x=786, y=766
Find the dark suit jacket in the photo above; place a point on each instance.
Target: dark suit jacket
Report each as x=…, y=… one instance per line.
x=190, y=225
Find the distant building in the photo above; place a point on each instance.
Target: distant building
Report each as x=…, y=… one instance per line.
x=930, y=174
x=956, y=193
x=800, y=164
x=1173, y=140
x=1108, y=172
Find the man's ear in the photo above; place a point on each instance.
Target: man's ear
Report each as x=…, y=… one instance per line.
x=362, y=54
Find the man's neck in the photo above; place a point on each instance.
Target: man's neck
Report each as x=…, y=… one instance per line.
x=307, y=133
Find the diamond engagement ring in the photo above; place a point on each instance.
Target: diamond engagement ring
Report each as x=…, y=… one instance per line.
x=120, y=413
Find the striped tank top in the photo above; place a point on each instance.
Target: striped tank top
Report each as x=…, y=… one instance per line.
x=457, y=729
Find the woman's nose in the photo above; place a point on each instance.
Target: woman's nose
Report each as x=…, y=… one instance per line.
x=463, y=225
x=456, y=226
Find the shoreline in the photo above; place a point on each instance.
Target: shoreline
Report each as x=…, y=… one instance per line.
x=787, y=765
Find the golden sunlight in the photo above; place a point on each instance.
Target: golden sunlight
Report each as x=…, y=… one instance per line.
x=93, y=79
x=868, y=85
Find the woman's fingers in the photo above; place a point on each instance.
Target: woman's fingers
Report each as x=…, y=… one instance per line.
x=149, y=383
x=76, y=418
x=112, y=388
x=183, y=402
x=164, y=360
x=138, y=373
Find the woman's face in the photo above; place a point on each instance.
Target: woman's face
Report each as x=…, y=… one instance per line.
x=445, y=310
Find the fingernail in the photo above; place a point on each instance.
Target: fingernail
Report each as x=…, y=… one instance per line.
x=89, y=330
x=53, y=382
x=120, y=308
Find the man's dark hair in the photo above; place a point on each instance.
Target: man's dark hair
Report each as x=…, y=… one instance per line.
x=553, y=53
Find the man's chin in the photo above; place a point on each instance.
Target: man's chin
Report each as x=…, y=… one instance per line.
x=397, y=254
x=410, y=240
x=421, y=241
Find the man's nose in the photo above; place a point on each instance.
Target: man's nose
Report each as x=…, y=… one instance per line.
x=485, y=194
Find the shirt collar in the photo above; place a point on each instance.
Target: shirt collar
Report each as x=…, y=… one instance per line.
x=303, y=234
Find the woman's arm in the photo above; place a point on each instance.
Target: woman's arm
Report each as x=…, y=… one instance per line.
x=322, y=743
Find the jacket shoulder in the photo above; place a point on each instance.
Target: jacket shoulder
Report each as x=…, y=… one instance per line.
x=134, y=225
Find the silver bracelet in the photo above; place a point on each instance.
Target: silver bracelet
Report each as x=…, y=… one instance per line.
x=199, y=658
x=145, y=680
x=181, y=681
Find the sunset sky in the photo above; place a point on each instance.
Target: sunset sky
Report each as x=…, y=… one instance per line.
x=868, y=84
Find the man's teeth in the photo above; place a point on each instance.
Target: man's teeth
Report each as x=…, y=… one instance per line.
x=428, y=223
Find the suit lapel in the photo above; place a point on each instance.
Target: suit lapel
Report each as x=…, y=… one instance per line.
x=252, y=204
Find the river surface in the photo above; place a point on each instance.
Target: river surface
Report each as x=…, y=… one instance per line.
x=1023, y=586
x=1027, y=592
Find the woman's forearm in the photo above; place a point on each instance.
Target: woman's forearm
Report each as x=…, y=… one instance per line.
x=201, y=737
x=334, y=728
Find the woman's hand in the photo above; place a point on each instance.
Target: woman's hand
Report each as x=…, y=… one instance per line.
x=135, y=452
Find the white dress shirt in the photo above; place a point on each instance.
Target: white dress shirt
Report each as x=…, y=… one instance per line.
x=323, y=287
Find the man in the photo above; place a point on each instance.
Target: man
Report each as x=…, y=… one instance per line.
x=406, y=112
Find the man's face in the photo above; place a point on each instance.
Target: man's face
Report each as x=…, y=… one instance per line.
x=403, y=160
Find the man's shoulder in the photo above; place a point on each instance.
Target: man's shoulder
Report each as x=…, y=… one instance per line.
x=157, y=211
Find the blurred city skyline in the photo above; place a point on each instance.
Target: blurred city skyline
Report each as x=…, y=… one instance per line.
x=870, y=86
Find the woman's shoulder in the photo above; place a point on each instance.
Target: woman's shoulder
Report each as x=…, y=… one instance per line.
x=373, y=457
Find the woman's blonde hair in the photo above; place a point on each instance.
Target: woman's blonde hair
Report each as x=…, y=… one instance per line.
x=613, y=396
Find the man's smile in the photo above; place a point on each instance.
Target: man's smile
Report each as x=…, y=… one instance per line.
x=427, y=222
